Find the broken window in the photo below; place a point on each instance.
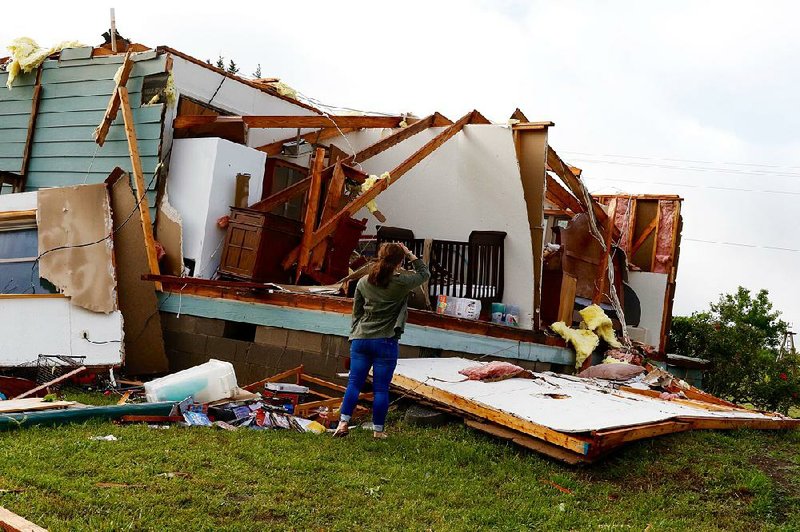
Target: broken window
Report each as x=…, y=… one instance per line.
x=154, y=88
x=19, y=270
x=284, y=175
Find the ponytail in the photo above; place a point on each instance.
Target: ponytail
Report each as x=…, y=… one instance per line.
x=390, y=256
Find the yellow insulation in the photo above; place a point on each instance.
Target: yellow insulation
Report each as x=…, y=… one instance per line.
x=596, y=320
x=27, y=55
x=370, y=182
x=584, y=341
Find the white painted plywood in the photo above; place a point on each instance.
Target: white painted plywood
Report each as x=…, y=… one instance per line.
x=30, y=326
x=23, y=201
x=589, y=405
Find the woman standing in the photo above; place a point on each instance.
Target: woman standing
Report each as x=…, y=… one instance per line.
x=379, y=317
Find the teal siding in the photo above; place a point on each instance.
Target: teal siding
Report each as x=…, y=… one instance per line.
x=339, y=324
x=75, y=94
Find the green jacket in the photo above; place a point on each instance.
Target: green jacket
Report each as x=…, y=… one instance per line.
x=382, y=312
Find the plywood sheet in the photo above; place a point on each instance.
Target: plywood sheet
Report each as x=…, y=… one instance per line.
x=586, y=405
x=30, y=405
x=75, y=254
x=144, y=343
x=169, y=233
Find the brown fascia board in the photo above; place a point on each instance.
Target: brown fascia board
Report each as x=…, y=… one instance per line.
x=249, y=83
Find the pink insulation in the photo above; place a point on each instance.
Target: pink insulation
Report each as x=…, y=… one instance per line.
x=664, y=239
x=492, y=371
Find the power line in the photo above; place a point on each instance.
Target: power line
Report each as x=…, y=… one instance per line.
x=672, y=159
x=728, y=171
x=742, y=245
x=711, y=187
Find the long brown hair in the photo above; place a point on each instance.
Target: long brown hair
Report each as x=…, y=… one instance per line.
x=390, y=256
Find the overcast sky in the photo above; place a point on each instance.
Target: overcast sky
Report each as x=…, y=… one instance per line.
x=699, y=99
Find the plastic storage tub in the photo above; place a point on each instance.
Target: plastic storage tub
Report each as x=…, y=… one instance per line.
x=207, y=382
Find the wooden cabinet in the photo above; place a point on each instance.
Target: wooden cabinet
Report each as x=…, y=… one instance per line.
x=255, y=245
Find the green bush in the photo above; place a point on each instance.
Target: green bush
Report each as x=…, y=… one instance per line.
x=741, y=336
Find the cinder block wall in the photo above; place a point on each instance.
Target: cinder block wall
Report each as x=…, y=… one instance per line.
x=257, y=351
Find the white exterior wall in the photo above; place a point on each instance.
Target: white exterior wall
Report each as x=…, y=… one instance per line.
x=471, y=183
x=200, y=83
x=51, y=325
x=651, y=289
x=201, y=186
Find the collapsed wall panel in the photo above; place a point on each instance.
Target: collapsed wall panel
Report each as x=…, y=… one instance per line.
x=144, y=343
x=76, y=254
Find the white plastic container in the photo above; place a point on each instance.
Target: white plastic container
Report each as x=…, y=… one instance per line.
x=207, y=382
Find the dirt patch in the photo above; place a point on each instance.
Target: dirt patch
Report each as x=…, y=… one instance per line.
x=780, y=471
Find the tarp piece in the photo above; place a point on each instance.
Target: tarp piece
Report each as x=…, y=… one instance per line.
x=144, y=341
x=76, y=253
x=585, y=417
x=79, y=415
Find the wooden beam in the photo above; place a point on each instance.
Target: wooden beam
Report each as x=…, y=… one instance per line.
x=46, y=385
x=282, y=196
x=138, y=180
x=113, y=104
x=11, y=522
x=439, y=120
x=519, y=115
x=330, y=226
x=291, y=122
x=335, y=192
x=26, y=154
x=565, y=200
x=548, y=449
x=275, y=148
x=392, y=140
x=574, y=183
x=605, y=262
x=312, y=209
x=566, y=304
x=642, y=237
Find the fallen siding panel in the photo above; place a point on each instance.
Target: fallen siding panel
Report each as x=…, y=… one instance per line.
x=76, y=255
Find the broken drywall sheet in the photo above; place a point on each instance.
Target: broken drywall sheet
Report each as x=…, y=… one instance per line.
x=144, y=343
x=75, y=253
x=169, y=232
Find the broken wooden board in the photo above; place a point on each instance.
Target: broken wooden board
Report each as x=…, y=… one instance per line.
x=585, y=417
x=31, y=404
x=11, y=522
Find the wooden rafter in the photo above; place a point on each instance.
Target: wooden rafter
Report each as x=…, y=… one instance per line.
x=274, y=148
x=282, y=196
x=292, y=122
x=642, y=237
x=519, y=115
x=114, y=103
x=328, y=227
x=562, y=197
x=312, y=208
x=573, y=182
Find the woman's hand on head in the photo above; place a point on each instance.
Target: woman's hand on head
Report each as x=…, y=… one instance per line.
x=404, y=248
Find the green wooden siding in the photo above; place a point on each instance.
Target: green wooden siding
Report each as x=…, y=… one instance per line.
x=74, y=97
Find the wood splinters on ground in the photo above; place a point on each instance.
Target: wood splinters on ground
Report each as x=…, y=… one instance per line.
x=562, y=489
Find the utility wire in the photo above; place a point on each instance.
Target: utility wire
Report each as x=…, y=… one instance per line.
x=710, y=187
x=671, y=159
x=741, y=244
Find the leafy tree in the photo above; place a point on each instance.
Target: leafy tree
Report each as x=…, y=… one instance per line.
x=232, y=68
x=257, y=73
x=741, y=334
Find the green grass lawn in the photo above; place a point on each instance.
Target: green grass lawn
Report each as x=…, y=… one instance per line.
x=449, y=478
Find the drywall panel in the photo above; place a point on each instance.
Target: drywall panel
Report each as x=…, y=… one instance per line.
x=209, y=87
x=471, y=183
x=201, y=186
x=144, y=342
x=51, y=325
x=587, y=405
x=651, y=289
x=75, y=252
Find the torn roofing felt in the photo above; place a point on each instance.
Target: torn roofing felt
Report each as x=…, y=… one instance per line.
x=70, y=221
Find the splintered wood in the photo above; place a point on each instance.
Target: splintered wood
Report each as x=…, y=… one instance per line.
x=570, y=419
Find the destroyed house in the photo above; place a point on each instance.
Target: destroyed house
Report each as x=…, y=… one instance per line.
x=237, y=218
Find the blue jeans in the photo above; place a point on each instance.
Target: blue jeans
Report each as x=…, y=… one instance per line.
x=380, y=354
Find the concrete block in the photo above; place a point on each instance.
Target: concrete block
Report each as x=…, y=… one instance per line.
x=338, y=346
x=320, y=365
x=179, y=360
x=271, y=335
x=222, y=348
x=307, y=341
x=243, y=351
x=409, y=351
x=209, y=326
x=543, y=366
x=188, y=342
x=172, y=322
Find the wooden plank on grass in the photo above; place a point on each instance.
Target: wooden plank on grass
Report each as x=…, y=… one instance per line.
x=11, y=522
x=548, y=449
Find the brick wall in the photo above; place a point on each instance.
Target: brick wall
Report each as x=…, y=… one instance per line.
x=257, y=351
